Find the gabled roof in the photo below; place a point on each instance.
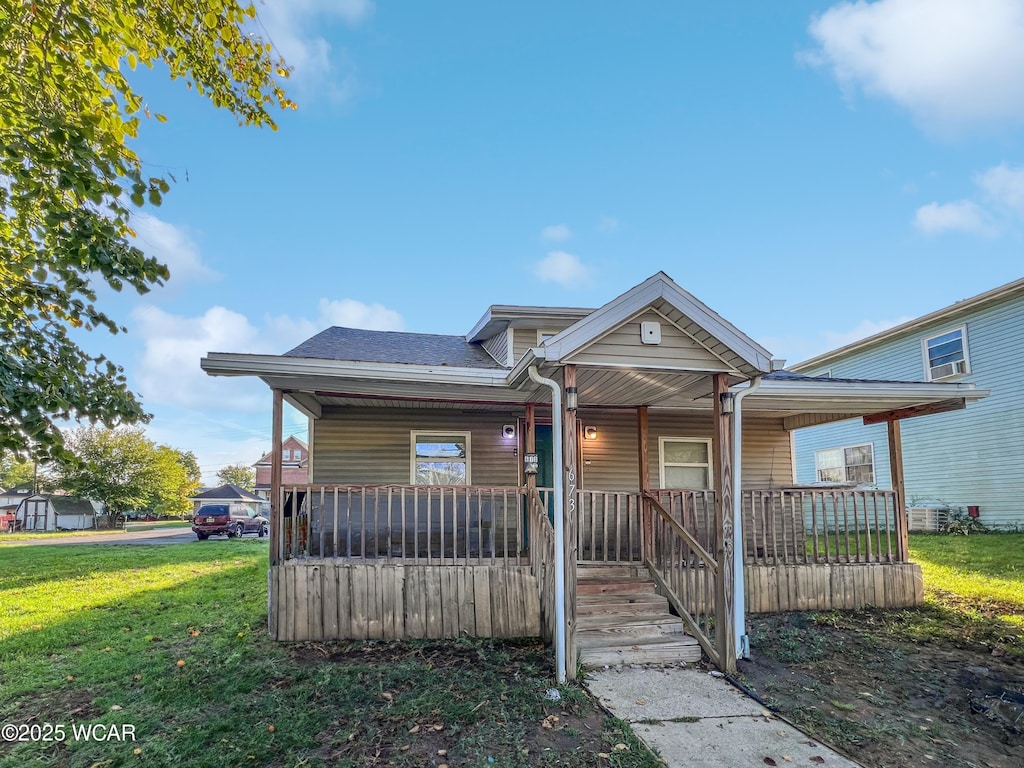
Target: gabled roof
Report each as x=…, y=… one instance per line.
x=705, y=326
x=291, y=439
x=358, y=345
x=70, y=505
x=953, y=311
x=228, y=492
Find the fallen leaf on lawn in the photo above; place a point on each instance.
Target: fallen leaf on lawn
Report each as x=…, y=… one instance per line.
x=620, y=747
x=787, y=758
x=136, y=677
x=641, y=702
x=116, y=708
x=414, y=729
x=503, y=697
x=404, y=748
x=442, y=752
x=817, y=759
x=193, y=632
x=136, y=751
x=70, y=678
x=107, y=648
x=603, y=755
x=438, y=726
x=180, y=662
x=387, y=696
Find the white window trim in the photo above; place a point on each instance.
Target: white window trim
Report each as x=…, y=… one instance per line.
x=684, y=439
x=843, y=448
x=966, y=349
x=415, y=433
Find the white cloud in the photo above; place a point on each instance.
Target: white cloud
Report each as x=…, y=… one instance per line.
x=608, y=224
x=952, y=63
x=169, y=371
x=556, y=233
x=172, y=246
x=294, y=28
x=961, y=216
x=562, y=268
x=1004, y=185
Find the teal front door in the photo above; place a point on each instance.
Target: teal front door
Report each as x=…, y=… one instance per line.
x=546, y=463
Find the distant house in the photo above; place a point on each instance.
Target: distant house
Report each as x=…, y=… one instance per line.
x=967, y=460
x=227, y=494
x=294, y=466
x=52, y=512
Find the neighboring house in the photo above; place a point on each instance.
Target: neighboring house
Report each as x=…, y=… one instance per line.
x=294, y=467
x=53, y=512
x=227, y=494
x=543, y=473
x=967, y=460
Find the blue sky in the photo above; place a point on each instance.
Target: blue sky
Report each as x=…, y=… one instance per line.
x=814, y=171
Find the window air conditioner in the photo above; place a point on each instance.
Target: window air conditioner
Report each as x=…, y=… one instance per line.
x=946, y=370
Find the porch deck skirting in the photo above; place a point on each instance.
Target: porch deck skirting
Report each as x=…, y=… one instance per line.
x=840, y=586
x=331, y=599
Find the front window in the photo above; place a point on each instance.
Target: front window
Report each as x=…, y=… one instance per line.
x=685, y=462
x=286, y=454
x=853, y=464
x=440, y=458
x=945, y=355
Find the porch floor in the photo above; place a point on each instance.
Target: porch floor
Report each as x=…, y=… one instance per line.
x=622, y=620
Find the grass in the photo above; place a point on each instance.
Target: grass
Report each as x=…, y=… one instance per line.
x=22, y=536
x=172, y=640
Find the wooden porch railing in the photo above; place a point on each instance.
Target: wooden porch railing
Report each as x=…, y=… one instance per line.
x=811, y=526
x=442, y=525
x=685, y=570
x=542, y=556
x=609, y=527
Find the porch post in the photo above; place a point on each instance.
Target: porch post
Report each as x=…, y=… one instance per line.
x=530, y=443
x=896, y=475
x=570, y=449
x=725, y=627
x=276, y=439
x=647, y=520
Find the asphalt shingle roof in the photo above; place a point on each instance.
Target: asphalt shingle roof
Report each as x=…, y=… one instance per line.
x=358, y=345
x=227, y=492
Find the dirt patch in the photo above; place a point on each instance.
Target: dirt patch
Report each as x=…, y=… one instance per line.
x=848, y=680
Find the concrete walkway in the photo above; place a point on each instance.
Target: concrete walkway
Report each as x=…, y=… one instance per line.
x=693, y=719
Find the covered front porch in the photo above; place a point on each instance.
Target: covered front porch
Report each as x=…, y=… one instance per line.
x=622, y=487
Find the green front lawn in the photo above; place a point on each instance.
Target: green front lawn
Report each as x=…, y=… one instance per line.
x=172, y=640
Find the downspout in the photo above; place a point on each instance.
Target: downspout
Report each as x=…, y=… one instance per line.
x=556, y=433
x=739, y=602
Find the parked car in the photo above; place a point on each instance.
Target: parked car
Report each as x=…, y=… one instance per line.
x=228, y=520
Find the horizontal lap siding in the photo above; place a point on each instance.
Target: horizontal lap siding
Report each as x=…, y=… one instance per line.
x=370, y=446
x=623, y=347
x=522, y=340
x=497, y=347
x=960, y=458
x=610, y=462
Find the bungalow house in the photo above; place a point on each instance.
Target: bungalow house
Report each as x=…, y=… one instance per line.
x=963, y=461
x=227, y=494
x=294, y=466
x=618, y=480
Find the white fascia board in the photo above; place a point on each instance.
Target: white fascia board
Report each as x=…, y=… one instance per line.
x=917, y=324
x=660, y=286
x=500, y=316
x=828, y=389
x=520, y=374
x=232, y=364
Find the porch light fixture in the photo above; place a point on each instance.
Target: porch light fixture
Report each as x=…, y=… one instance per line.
x=531, y=463
x=727, y=403
x=571, y=398
x=590, y=433
x=508, y=431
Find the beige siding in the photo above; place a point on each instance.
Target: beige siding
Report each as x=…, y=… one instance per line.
x=676, y=350
x=611, y=462
x=497, y=347
x=522, y=340
x=371, y=446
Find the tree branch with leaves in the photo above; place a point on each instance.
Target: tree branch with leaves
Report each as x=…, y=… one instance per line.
x=70, y=181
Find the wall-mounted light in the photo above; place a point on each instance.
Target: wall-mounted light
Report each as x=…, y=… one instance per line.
x=590, y=433
x=571, y=399
x=508, y=431
x=727, y=403
x=531, y=463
